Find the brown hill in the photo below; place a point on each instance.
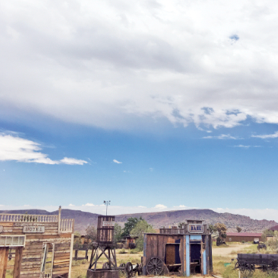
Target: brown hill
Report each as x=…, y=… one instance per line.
x=165, y=218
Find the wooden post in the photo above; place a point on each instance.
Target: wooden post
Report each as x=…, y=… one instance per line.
x=59, y=220
x=71, y=251
x=4, y=253
x=17, y=261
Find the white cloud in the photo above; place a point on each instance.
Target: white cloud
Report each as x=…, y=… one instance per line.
x=99, y=63
x=242, y=146
x=116, y=161
x=71, y=205
x=159, y=206
x=221, y=137
x=267, y=136
x=72, y=161
x=88, y=205
x=24, y=150
x=246, y=146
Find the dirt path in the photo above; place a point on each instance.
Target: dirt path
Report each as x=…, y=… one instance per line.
x=226, y=251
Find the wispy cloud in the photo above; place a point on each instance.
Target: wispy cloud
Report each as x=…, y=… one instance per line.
x=116, y=161
x=267, y=136
x=246, y=146
x=14, y=148
x=221, y=137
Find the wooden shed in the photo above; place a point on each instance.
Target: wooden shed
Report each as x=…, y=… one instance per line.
x=40, y=244
x=130, y=242
x=188, y=249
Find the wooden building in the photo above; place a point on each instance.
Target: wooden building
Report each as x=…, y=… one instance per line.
x=42, y=245
x=188, y=250
x=240, y=237
x=130, y=242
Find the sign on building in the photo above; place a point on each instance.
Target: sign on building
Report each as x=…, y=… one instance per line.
x=196, y=228
x=33, y=229
x=108, y=223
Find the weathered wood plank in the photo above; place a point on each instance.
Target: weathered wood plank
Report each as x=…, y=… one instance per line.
x=4, y=251
x=17, y=262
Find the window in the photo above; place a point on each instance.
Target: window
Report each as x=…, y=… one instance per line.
x=12, y=241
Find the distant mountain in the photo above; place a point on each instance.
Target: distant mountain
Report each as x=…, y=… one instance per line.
x=163, y=219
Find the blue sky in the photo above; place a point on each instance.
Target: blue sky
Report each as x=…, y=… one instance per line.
x=154, y=105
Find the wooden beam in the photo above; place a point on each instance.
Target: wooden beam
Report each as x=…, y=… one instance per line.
x=17, y=262
x=4, y=252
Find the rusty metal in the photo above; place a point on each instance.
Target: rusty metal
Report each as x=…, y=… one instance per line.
x=129, y=269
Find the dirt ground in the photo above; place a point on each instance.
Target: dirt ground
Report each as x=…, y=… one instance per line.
x=226, y=251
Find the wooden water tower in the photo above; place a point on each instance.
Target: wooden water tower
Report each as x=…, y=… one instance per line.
x=104, y=246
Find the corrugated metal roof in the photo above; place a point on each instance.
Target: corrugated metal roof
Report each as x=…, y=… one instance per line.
x=245, y=234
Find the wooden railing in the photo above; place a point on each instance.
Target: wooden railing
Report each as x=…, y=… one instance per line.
x=172, y=231
x=27, y=218
x=66, y=225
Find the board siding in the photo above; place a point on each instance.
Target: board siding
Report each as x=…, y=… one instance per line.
x=29, y=259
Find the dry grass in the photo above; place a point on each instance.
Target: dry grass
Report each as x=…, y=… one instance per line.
x=229, y=271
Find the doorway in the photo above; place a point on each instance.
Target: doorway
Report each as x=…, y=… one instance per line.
x=47, y=260
x=10, y=261
x=195, y=256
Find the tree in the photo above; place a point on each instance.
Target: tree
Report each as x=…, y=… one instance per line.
x=117, y=232
x=221, y=229
x=212, y=229
x=129, y=225
x=140, y=228
x=181, y=225
x=77, y=239
x=273, y=243
x=267, y=233
x=238, y=229
x=91, y=233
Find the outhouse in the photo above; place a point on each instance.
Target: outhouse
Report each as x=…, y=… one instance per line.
x=187, y=250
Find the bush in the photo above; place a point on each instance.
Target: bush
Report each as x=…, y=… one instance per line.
x=123, y=251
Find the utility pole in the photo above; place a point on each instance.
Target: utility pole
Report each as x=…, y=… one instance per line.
x=107, y=203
